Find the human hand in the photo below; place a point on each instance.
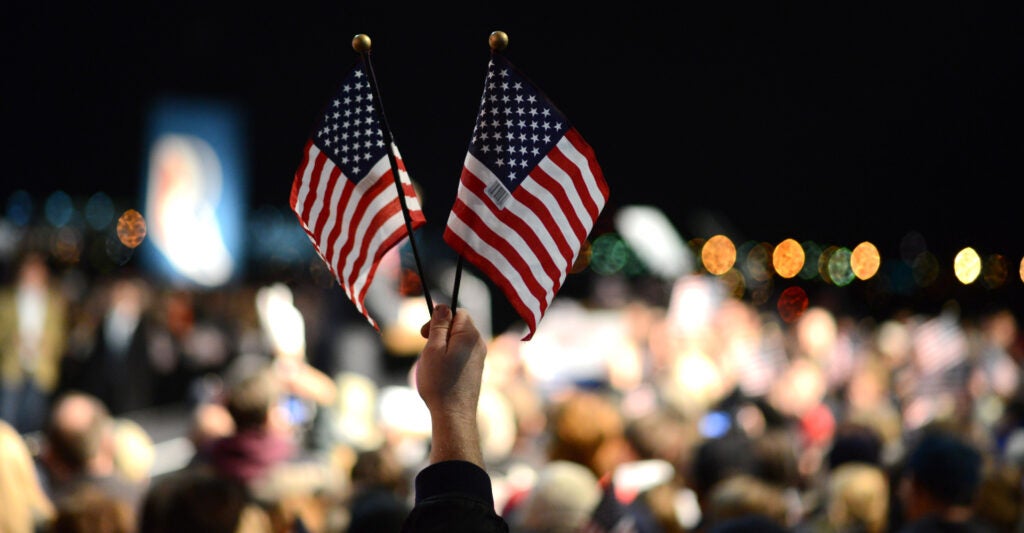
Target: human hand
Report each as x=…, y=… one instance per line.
x=449, y=375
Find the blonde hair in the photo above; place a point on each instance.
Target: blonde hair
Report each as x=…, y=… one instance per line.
x=134, y=451
x=23, y=504
x=858, y=495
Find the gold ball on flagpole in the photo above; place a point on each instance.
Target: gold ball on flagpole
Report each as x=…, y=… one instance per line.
x=361, y=43
x=498, y=40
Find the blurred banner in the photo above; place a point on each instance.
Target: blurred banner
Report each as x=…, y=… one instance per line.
x=193, y=191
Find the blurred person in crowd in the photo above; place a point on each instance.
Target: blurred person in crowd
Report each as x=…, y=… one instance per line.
x=743, y=496
x=89, y=509
x=263, y=454
x=198, y=500
x=716, y=459
x=453, y=493
x=938, y=483
x=856, y=500
x=1000, y=499
x=662, y=443
x=33, y=338
x=134, y=451
x=24, y=505
x=209, y=422
x=79, y=448
x=586, y=426
x=118, y=366
x=379, y=501
x=562, y=500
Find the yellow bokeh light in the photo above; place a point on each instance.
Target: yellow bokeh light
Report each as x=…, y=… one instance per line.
x=718, y=254
x=788, y=258
x=1022, y=269
x=865, y=260
x=967, y=265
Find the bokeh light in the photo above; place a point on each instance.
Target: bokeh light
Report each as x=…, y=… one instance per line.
x=67, y=245
x=812, y=252
x=865, y=260
x=131, y=228
x=788, y=258
x=733, y=282
x=718, y=254
x=99, y=211
x=824, y=259
x=58, y=209
x=583, y=259
x=759, y=261
x=19, y=208
x=792, y=303
x=609, y=254
x=839, y=270
x=967, y=265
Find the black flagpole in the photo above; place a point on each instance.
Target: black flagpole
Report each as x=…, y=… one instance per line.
x=361, y=44
x=498, y=41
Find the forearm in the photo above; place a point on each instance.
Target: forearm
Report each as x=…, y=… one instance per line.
x=455, y=437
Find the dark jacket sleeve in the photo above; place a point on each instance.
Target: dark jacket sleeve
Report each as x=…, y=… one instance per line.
x=454, y=497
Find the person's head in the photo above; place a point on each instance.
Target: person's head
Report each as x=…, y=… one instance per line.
x=941, y=472
x=198, y=499
x=251, y=398
x=79, y=433
x=587, y=428
x=855, y=443
x=858, y=498
x=209, y=422
x=24, y=502
x=743, y=495
x=134, y=450
x=561, y=500
x=90, y=509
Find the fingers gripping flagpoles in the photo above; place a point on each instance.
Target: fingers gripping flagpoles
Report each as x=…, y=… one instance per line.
x=342, y=193
x=529, y=194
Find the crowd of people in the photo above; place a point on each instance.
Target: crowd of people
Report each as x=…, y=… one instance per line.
x=698, y=414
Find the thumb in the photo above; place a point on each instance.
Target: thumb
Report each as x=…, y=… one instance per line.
x=436, y=330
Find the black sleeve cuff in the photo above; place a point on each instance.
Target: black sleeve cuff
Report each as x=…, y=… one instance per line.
x=462, y=477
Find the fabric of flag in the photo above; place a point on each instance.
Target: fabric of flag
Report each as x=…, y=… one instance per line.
x=344, y=191
x=530, y=192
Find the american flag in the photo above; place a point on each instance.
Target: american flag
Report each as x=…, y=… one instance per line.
x=530, y=192
x=344, y=191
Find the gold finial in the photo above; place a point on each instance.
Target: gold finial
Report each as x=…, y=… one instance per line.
x=361, y=43
x=498, y=41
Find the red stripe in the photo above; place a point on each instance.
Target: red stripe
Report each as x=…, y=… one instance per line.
x=297, y=182
x=326, y=208
x=314, y=183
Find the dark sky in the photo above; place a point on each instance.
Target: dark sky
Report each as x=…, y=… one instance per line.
x=837, y=123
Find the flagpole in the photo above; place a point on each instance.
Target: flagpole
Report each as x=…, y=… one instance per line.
x=498, y=41
x=361, y=44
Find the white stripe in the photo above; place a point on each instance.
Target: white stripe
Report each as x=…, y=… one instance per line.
x=497, y=259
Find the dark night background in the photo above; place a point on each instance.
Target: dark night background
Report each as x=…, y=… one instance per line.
x=838, y=123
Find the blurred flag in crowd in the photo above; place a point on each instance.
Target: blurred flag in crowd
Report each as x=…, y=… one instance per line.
x=344, y=191
x=530, y=192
